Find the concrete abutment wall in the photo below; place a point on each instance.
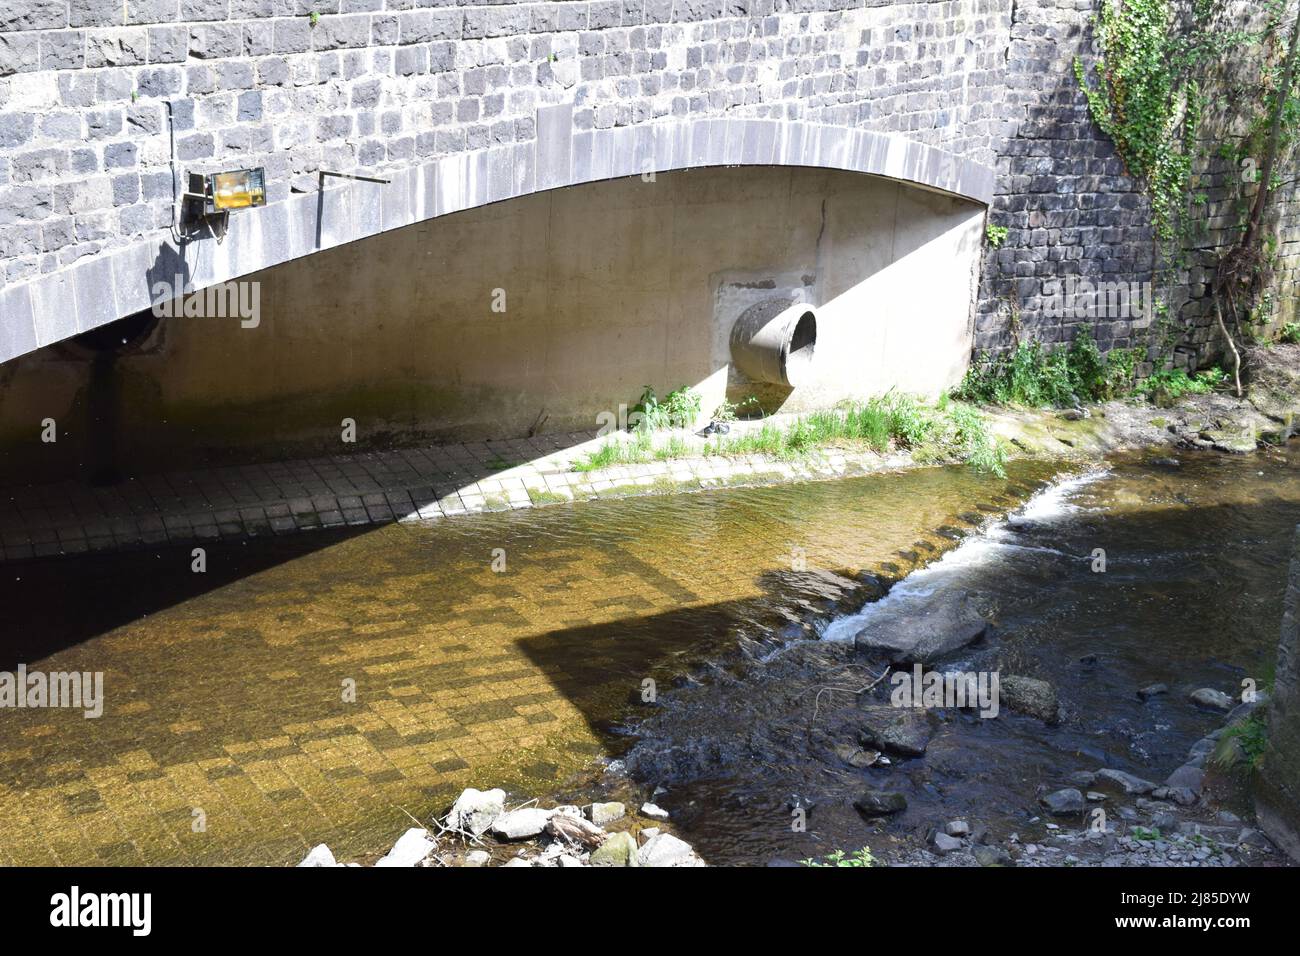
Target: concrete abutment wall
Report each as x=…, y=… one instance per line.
x=539, y=312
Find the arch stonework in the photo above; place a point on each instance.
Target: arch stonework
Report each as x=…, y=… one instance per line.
x=103, y=288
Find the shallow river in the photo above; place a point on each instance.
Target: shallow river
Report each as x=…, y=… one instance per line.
x=323, y=687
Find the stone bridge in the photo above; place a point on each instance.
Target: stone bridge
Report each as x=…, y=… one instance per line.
x=465, y=108
x=106, y=108
x=126, y=278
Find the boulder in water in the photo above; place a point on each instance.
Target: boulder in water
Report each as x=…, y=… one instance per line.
x=521, y=824
x=619, y=849
x=664, y=849
x=410, y=849
x=880, y=803
x=925, y=630
x=1029, y=695
x=474, y=810
x=1211, y=699
x=603, y=813
x=906, y=733
x=1126, y=781
x=653, y=811
x=856, y=756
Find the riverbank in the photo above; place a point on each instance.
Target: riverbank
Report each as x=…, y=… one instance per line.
x=527, y=677
x=1266, y=415
x=449, y=481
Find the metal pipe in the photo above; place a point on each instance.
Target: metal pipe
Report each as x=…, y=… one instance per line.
x=773, y=341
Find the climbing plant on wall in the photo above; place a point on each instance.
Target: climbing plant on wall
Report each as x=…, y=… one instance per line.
x=1240, y=285
x=1146, y=88
x=1144, y=91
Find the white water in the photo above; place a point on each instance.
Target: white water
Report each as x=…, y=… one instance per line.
x=1050, y=504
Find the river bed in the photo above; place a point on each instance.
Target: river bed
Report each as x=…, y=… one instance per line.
x=330, y=687
x=1191, y=596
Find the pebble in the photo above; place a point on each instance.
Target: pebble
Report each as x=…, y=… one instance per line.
x=653, y=811
x=320, y=855
x=411, y=848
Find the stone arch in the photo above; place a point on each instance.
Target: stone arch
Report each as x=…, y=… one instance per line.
x=101, y=289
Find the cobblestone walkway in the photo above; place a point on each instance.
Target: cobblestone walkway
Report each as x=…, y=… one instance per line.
x=367, y=488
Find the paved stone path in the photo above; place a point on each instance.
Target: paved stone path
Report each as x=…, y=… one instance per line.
x=367, y=488
x=226, y=735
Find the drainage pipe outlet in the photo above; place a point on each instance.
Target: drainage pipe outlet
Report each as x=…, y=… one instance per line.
x=773, y=341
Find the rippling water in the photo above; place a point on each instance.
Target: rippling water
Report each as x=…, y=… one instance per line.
x=225, y=690
x=1191, y=596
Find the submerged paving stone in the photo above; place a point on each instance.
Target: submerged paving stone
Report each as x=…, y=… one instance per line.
x=376, y=488
x=461, y=675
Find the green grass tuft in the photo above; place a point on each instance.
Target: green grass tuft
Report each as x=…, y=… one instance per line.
x=944, y=431
x=863, y=857
x=1038, y=377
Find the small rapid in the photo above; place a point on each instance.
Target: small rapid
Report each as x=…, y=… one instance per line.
x=1188, y=592
x=978, y=555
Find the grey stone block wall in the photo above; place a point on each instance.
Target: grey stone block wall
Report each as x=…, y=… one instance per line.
x=1071, y=211
x=1074, y=215
x=96, y=97
x=93, y=93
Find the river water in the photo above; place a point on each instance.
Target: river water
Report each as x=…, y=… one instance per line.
x=330, y=687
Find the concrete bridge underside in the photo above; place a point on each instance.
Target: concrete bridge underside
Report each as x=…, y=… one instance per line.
x=532, y=316
x=102, y=288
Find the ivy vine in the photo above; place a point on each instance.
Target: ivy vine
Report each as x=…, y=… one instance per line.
x=1144, y=93
x=1144, y=88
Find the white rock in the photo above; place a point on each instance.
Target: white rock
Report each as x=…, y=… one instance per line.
x=519, y=861
x=567, y=860
x=648, y=834
x=1209, y=697
x=943, y=843
x=521, y=824
x=474, y=810
x=320, y=855
x=664, y=849
x=605, y=813
x=413, y=846
x=653, y=811
x=477, y=858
